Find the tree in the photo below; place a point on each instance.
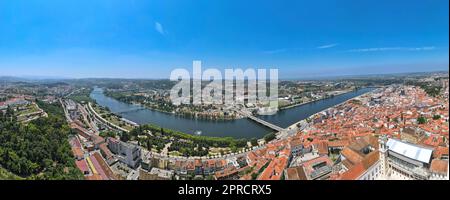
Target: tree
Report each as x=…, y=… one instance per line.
x=108, y=134
x=149, y=145
x=254, y=142
x=43, y=151
x=422, y=120
x=396, y=120
x=269, y=137
x=125, y=136
x=436, y=117
x=254, y=176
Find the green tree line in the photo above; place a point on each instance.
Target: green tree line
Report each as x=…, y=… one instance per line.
x=39, y=149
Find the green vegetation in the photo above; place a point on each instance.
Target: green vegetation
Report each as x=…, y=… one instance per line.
x=436, y=117
x=6, y=175
x=269, y=137
x=254, y=142
x=152, y=103
x=186, y=144
x=429, y=87
x=83, y=95
x=126, y=97
x=112, y=118
x=51, y=109
x=396, y=120
x=355, y=101
x=160, y=103
x=38, y=150
x=255, y=175
x=433, y=91
x=31, y=108
x=108, y=134
x=124, y=136
x=421, y=120
x=246, y=171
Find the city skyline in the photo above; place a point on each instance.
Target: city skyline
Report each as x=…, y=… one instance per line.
x=109, y=39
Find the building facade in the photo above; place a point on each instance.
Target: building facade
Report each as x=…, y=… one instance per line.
x=401, y=160
x=127, y=153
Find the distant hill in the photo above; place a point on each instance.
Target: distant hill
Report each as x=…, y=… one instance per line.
x=32, y=79
x=11, y=79
x=369, y=76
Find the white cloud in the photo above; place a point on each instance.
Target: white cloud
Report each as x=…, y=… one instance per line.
x=282, y=50
x=275, y=51
x=159, y=28
x=422, y=48
x=393, y=49
x=327, y=46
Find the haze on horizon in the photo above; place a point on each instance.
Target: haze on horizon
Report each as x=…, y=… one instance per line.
x=136, y=39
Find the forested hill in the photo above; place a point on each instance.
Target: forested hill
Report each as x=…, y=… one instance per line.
x=39, y=149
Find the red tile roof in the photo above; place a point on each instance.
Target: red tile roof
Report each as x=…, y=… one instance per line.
x=295, y=173
x=440, y=151
x=322, y=147
x=359, y=168
x=82, y=165
x=352, y=156
x=77, y=152
x=439, y=166
x=104, y=166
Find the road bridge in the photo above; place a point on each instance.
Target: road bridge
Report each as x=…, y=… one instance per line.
x=265, y=123
x=249, y=115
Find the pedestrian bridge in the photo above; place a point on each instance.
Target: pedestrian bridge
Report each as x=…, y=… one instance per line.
x=258, y=120
x=267, y=124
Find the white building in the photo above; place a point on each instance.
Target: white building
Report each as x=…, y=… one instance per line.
x=404, y=161
x=127, y=153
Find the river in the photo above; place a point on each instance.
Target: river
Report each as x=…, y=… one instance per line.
x=240, y=128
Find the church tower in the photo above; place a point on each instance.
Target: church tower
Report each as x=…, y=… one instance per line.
x=383, y=149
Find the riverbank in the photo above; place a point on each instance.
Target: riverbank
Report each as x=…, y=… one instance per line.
x=212, y=116
x=240, y=128
x=112, y=125
x=294, y=126
x=303, y=103
x=182, y=142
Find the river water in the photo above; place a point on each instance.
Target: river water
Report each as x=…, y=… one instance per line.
x=241, y=128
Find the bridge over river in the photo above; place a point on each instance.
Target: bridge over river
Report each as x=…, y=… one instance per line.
x=249, y=115
x=247, y=127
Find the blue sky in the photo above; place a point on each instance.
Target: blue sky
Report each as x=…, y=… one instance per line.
x=147, y=39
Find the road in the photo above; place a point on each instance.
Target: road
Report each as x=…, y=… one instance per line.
x=105, y=121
